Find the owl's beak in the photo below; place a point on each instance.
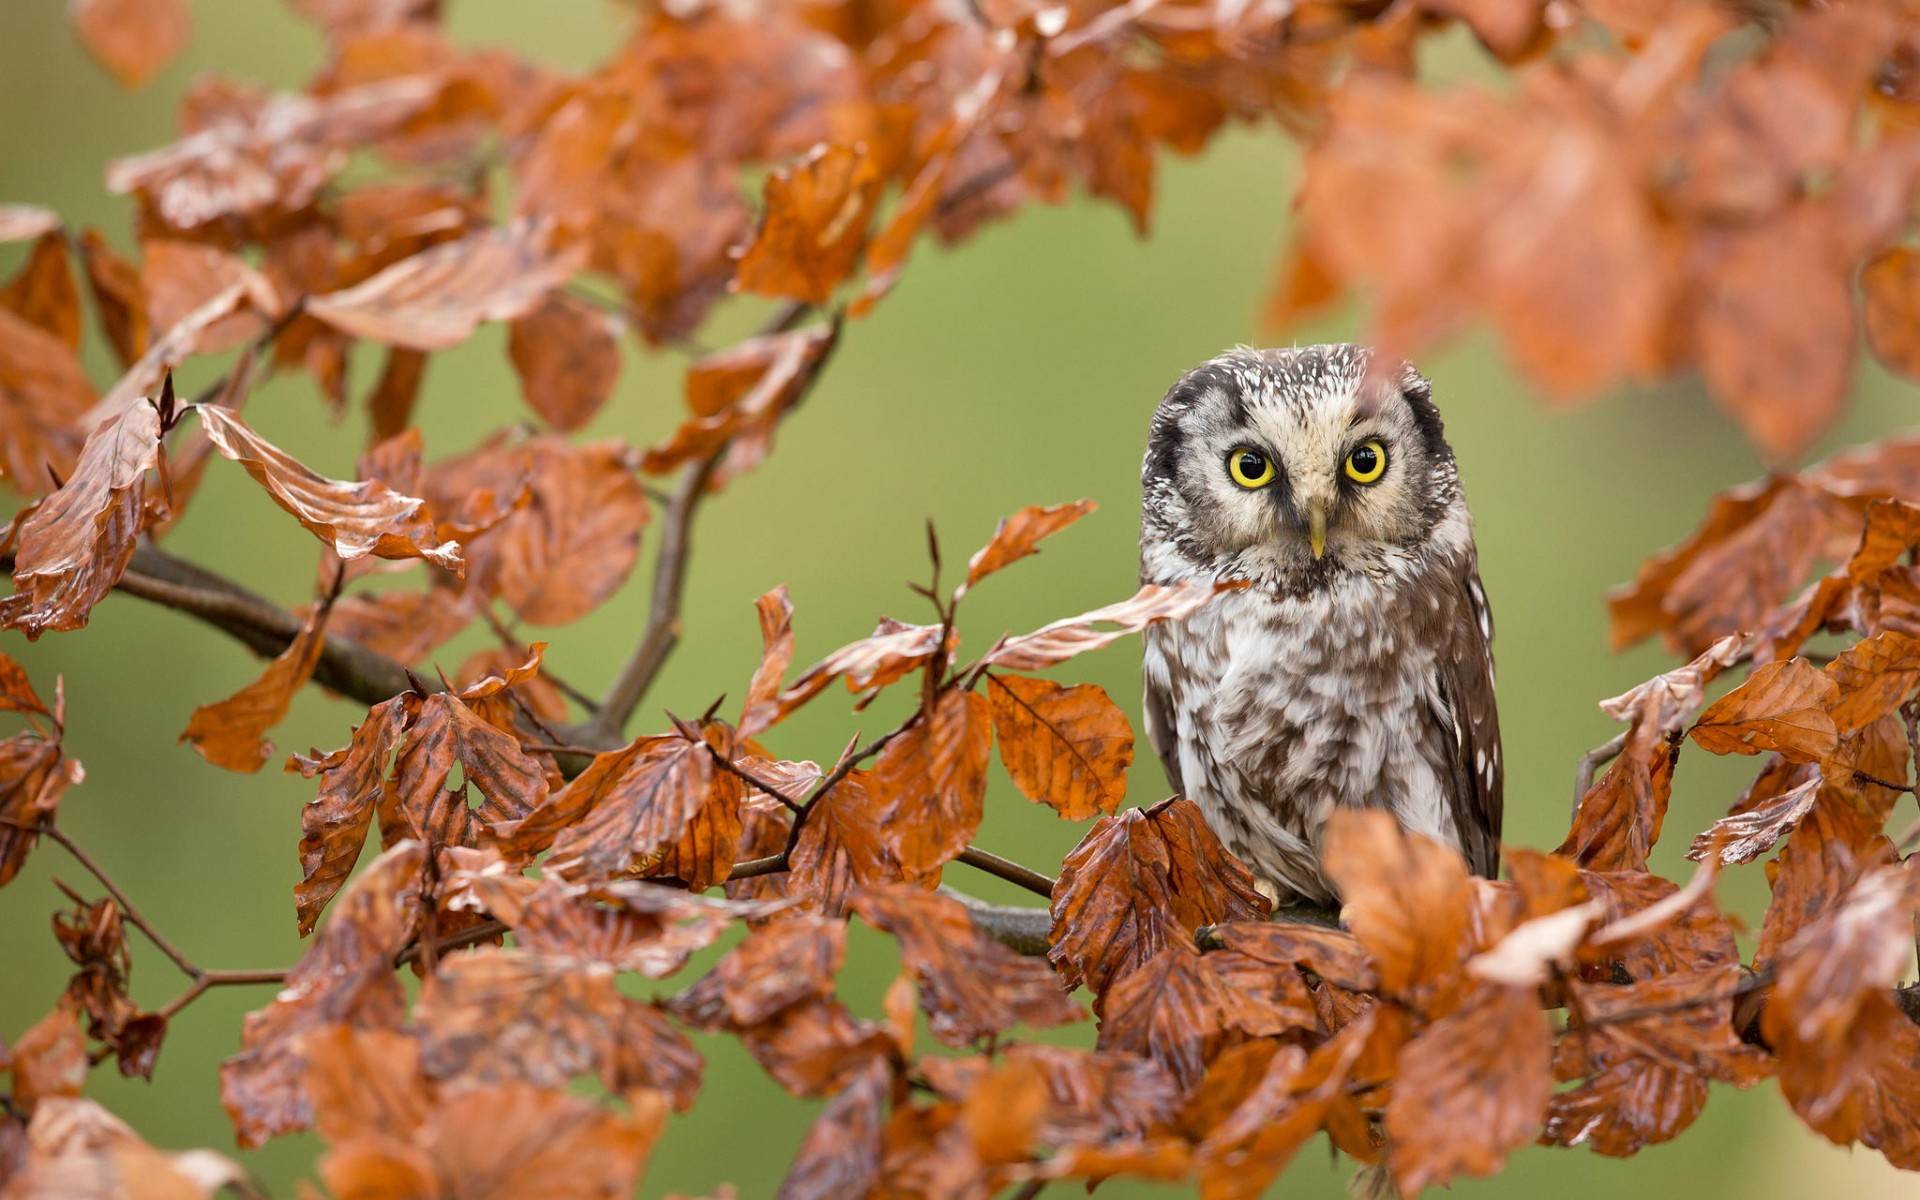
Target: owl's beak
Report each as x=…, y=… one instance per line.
x=1317, y=525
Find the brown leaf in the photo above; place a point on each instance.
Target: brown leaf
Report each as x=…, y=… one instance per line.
x=567, y=355
x=1066, y=747
x=49, y=1060
x=574, y=542
x=1868, y=1089
x=737, y=397
x=1747, y=835
x=777, y=966
x=840, y=1155
x=435, y=299
x=1872, y=678
x=842, y=845
x=760, y=708
x=873, y=662
x=74, y=1149
x=1643, y=1078
x=1018, y=536
x=346, y=976
x=43, y=294
x=132, y=39
x=814, y=225
x=181, y=340
x=405, y=626
x=119, y=302
x=1137, y=879
x=446, y=730
x=75, y=544
x=355, y=519
x=493, y=1016
x=179, y=277
x=1696, y=938
x=627, y=806
x=1056, y=643
x=1472, y=1087
x=1333, y=954
x=44, y=392
x=34, y=774
x=930, y=782
x=1890, y=284
x=971, y=986
x=231, y=733
x=1782, y=707
x=1177, y=1010
x=1860, y=945
x=334, y=823
x=1405, y=897
x=16, y=690
x=24, y=222
x=815, y=1047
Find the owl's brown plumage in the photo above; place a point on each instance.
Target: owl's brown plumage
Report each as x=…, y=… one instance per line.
x=1357, y=669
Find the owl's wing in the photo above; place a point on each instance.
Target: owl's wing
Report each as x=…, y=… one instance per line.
x=1473, y=720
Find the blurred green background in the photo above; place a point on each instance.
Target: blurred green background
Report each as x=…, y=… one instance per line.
x=1020, y=369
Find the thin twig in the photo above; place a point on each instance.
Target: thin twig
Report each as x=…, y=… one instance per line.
x=1007, y=869
x=127, y=909
x=662, y=633
x=1592, y=761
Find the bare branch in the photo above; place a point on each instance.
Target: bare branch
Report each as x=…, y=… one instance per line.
x=1592, y=761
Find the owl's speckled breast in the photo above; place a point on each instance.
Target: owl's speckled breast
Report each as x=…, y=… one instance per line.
x=1274, y=708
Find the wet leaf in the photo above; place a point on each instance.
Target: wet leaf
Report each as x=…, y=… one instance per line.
x=1065, y=747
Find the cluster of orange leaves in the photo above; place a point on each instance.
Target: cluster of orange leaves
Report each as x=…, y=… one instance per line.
x=1661, y=190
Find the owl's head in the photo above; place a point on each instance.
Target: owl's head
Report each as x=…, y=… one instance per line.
x=1293, y=466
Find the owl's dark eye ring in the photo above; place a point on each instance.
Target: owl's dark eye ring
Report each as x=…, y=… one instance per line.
x=1250, y=468
x=1367, y=462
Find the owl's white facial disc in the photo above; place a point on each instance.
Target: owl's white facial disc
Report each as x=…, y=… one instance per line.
x=1359, y=464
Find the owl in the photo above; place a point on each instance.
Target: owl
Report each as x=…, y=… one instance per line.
x=1356, y=669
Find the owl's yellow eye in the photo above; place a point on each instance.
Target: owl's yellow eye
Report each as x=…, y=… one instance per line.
x=1367, y=462
x=1250, y=468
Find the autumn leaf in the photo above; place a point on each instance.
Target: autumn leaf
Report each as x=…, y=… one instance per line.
x=1137, y=879
x=75, y=545
x=435, y=299
x=231, y=733
x=840, y=1155
x=43, y=294
x=1065, y=747
x=971, y=986
x=1782, y=707
x=354, y=519
x=629, y=804
x=789, y=962
x=334, y=824
x=1405, y=897
x=1472, y=1087
x=1891, y=286
x=574, y=542
x=568, y=358
x=1053, y=644
x=1018, y=536
x=119, y=301
x=931, y=780
x=34, y=773
x=73, y=1144
x=1177, y=1009
x=814, y=225
x=132, y=39
x=760, y=708
x=345, y=976
x=885, y=656
x=1644, y=1057
x=49, y=1060
x=843, y=844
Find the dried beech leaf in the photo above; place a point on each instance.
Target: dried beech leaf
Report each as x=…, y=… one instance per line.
x=1137, y=879
x=1018, y=536
x=355, y=519
x=567, y=355
x=1065, y=747
x=132, y=39
x=231, y=733
x=1056, y=643
x=1404, y=896
x=930, y=781
x=814, y=225
x=1782, y=707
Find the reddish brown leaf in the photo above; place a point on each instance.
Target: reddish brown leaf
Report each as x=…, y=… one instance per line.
x=1066, y=747
x=1056, y=643
x=788, y=962
x=1643, y=1078
x=1872, y=678
x=627, y=807
x=180, y=277
x=180, y=340
x=231, y=733
x=346, y=976
x=843, y=845
x=75, y=544
x=445, y=731
x=334, y=824
x=1747, y=835
x=435, y=299
x=1891, y=286
x=43, y=293
x=1333, y=954
x=1472, y=1087
x=49, y=1060
x=132, y=39
x=930, y=782
x=568, y=358
x=840, y=1155
x=16, y=690
x=119, y=302
x=494, y=1015
x=1020, y=535
x=1782, y=707
x=816, y=1047
x=44, y=392
x=1178, y=1010
x=760, y=708
x=574, y=542
x=1865, y=1089
x=355, y=519
x=1137, y=879
x=74, y=1148
x=892, y=650
x=814, y=225
x=737, y=397
x=1860, y=946
x=1405, y=897
x=971, y=986
x=34, y=774
x=405, y=626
